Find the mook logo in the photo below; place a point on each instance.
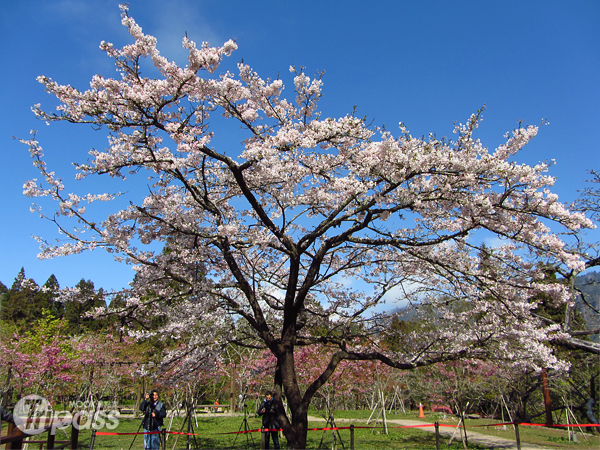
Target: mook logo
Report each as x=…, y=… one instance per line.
x=33, y=415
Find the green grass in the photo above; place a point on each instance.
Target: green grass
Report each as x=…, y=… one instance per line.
x=549, y=438
x=212, y=435
x=212, y=429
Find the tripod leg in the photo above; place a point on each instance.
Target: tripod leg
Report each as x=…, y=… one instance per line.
x=138, y=430
x=248, y=435
x=180, y=430
x=237, y=435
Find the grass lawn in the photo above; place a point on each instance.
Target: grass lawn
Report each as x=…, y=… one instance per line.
x=212, y=434
x=550, y=438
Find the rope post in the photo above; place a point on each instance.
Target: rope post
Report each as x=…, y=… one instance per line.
x=17, y=444
x=352, y=437
x=163, y=439
x=51, y=437
x=93, y=439
x=516, y=425
x=437, y=435
x=263, y=438
x=75, y=433
x=547, y=400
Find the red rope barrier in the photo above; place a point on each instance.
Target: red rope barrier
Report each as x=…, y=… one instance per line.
x=179, y=432
x=334, y=428
x=493, y=425
x=247, y=431
x=102, y=433
x=561, y=425
x=106, y=433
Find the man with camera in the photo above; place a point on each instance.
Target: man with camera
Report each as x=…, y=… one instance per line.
x=154, y=412
x=269, y=419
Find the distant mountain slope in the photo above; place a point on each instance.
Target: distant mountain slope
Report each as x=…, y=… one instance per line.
x=589, y=305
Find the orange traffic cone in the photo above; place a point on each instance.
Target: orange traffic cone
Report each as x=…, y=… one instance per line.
x=421, y=413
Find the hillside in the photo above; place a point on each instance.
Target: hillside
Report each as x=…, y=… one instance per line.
x=589, y=304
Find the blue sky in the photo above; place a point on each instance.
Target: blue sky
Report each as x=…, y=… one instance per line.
x=425, y=63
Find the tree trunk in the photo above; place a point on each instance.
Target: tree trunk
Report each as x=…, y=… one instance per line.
x=295, y=428
x=296, y=436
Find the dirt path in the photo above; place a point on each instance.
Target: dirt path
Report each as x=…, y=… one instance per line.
x=491, y=442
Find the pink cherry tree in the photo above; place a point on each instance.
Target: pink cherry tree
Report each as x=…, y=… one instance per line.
x=104, y=365
x=298, y=236
x=472, y=386
x=37, y=361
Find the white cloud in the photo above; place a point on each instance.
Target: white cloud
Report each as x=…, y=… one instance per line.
x=494, y=241
x=170, y=21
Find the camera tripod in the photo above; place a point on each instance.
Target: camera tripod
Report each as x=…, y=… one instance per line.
x=147, y=413
x=189, y=418
x=244, y=424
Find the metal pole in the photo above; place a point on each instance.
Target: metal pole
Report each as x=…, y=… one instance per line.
x=352, y=437
x=437, y=435
x=92, y=439
x=263, y=439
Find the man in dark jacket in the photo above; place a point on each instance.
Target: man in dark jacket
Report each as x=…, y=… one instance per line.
x=154, y=412
x=269, y=420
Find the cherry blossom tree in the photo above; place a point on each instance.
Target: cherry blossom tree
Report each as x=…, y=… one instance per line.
x=46, y=360
x=36, y=361
x=298, y=236
x=577, y=331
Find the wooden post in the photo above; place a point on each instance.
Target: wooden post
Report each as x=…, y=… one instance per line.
x=352, y=437
x=437, y=435
x=75, y=433
x=547, y=404
x=385, y=426
x=140, y=397
x=51, y=437
x=232, y=397
x=16, y=444
x=516, y=425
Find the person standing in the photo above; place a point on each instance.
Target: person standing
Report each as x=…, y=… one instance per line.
x=154, y=412
x=269, y=419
